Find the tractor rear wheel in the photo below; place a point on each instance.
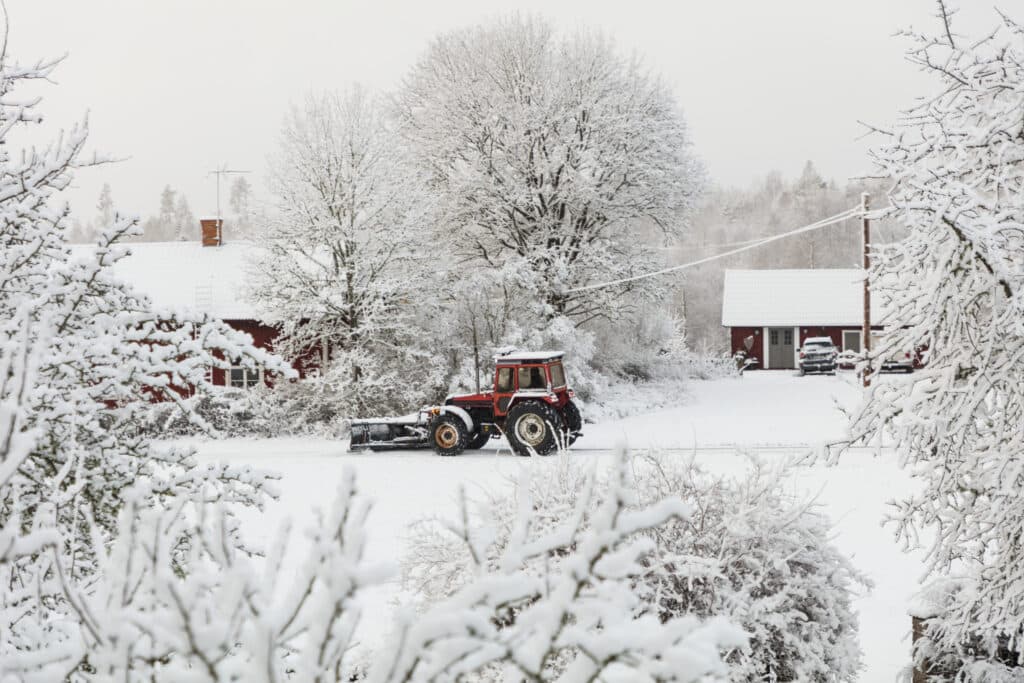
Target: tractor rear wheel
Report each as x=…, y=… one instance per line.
x=478, y=440
x=572, y=422
x=448, y=435
x=531, y=427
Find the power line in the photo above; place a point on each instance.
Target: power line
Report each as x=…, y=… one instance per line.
x=723, y=245
x=823, y=223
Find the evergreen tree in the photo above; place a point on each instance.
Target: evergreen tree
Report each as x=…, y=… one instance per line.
x=105, y=207
x=185, y=226
x=240, y=202
x=166, y=215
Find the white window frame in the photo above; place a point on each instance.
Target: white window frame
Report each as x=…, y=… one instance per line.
x=246, y=381
x=860, y=339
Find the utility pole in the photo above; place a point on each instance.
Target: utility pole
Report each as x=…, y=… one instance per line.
x=866, y=332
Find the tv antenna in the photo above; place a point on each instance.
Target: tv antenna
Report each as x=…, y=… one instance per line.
x=222, y=171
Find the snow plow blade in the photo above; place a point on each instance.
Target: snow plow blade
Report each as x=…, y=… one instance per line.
x=390, y=433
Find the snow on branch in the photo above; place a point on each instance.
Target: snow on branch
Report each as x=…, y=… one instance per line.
x=82, y=358
x=740, y=550
x=955, y=291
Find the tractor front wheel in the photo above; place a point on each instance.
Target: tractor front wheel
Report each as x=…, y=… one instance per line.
x=531, y=427
x=448, y=434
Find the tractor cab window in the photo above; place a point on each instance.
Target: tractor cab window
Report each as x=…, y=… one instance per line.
x=557, y=375
x=532, y=378
x=504, y=383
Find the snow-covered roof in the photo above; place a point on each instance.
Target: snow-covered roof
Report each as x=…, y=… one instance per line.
x=832, y=296
x=529, y=356
x=188, y=276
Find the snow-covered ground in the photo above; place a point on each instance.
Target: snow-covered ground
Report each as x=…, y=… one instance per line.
x=768, y=412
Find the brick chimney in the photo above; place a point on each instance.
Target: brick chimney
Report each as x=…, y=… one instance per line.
x=212, y=231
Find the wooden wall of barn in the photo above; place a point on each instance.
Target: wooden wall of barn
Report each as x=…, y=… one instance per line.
x=263, y=337
x=739, y=337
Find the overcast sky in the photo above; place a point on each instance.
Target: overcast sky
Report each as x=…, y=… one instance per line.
x=181, y=87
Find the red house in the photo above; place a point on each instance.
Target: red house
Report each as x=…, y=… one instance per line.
x=770, y=313
x=203, y=276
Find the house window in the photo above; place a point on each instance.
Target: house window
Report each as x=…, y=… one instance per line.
x=244, y=378
x=787, y=337
x=851, y=340
x=774, y=334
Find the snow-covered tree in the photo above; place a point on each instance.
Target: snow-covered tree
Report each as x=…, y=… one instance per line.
x=553, y=156
x=346, y=264
x=166, y=213
x=475, y=320
x=955, y=289
x=81, y=232
x=83, y=358
x=747, y=551
x=185, y=225
x=105, y=207
x=240, y=201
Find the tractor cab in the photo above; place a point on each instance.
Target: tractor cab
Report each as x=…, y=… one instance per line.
x=535, y=375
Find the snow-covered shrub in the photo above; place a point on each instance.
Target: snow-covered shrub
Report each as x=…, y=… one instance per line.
x=708, y=365
x=955, y=286
x=207, y=611
x=558, y=584
x=768, y=563
x=748, y=551
x=204, y=610
x=648, y=345
x=306, y=407
x=971, y=658
x=224, y=412
x=652, y=346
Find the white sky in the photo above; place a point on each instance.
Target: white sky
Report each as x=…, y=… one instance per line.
x=182, y=86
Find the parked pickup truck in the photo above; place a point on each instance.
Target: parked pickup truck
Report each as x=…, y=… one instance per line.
x=818, y=354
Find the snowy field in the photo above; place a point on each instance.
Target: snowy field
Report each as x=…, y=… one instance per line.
x=771, y=413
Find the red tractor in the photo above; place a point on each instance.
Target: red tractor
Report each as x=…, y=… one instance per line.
x=531, y=404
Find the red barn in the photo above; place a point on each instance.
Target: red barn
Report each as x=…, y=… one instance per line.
x=770, y=313
x=206, y=275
